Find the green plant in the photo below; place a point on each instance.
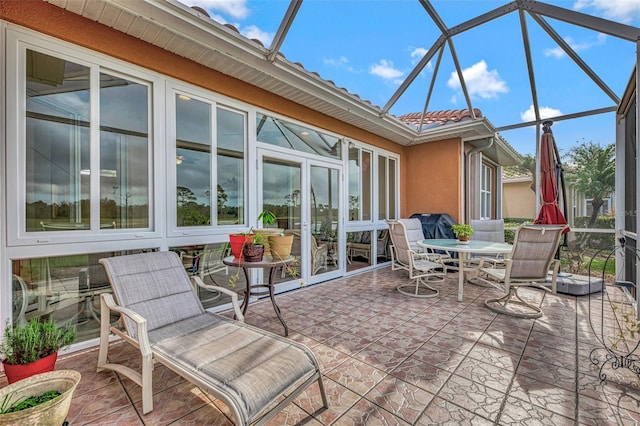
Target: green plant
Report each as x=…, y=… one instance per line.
x=26, y=343
x=462, y=230
x=259, y=239
x=268, y=217
x=27, y=402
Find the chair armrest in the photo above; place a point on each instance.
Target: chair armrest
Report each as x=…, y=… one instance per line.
x=493, y=261
x=142, y=338
x=433, y=257
x=231, y=293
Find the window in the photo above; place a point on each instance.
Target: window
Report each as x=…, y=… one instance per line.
x=275, y=131
x=387, y=198
x=360, y=182
x=196, y=138
x=485, y=193
x=605, y=208
x=59, y=145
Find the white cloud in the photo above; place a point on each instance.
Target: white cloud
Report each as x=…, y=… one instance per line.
x=558, y=53
x=253, y=32
x=417, y=54
x=341, y=63
x=545, y=112
x=385, y=70
x=619, y=10
x=236, y=8
x=480, y=81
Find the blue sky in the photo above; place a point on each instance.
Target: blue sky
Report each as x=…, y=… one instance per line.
x=370, y=46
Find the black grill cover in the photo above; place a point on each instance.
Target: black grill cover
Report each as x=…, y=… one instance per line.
x=436, y=225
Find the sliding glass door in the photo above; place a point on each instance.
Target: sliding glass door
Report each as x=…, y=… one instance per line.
x=304, y=194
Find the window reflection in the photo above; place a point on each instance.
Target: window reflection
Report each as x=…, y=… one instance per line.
x=360, y=182
x=57, y=143
x=359, y=246
x=289, y=135
x=231, y=139
x=66, y=288
x=193, y=162
x=124, y=152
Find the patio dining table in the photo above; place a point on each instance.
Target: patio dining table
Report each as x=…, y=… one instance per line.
x=464, y=250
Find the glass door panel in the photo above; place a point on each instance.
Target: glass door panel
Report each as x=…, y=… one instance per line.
x=325, y=216
x=282, y=194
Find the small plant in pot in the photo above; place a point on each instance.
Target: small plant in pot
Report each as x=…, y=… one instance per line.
x=463, y=232
x=278, y=244
x=32, y=348
x=254, y=251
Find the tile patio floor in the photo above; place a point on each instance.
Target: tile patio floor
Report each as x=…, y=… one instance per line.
x=391, y=359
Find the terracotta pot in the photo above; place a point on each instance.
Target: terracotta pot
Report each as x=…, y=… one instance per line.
x=22, y=371
x=280, y=246
x=52, y=412
x=463, y=240
x=237, y=241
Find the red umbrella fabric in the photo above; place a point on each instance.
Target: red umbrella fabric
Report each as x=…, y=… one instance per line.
x=549, y=213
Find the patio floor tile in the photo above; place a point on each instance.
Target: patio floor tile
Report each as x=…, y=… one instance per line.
x=389, y=359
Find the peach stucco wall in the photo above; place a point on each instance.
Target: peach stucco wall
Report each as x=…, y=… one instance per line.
x=518, y=200
x=433, y=178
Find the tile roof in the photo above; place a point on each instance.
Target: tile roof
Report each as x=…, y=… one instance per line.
x=438, y=117
x=515, y=173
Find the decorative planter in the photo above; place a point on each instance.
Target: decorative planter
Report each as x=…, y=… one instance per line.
x=237, y=241
x=463, y=240
x=280, y=246
x=266, y=233
x=53, y=412
x=252, y=252
x=22, y=371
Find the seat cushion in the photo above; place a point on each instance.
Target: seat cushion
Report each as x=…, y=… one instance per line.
x=249, y=365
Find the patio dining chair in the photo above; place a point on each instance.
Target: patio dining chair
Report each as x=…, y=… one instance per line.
x=424, y=268
x=531, y=258
x=254, y=372
x=486, y=230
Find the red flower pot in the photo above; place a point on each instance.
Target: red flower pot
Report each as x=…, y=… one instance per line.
x=22, y=371
x=237, y=241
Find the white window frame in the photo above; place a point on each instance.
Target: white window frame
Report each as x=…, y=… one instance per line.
x=175, y=88
x=485, y=191
x=18, y=41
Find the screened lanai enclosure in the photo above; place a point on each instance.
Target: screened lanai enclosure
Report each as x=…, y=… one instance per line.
x=147, y=125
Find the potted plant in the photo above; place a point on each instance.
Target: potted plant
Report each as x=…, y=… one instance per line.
x=32, y=348
x=237, y=241
x=278, y=244
x=43, y=399
x=463, y=231
x=254, y=251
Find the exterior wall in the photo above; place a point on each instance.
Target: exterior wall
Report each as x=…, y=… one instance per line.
x=518, y=199
x=432, y=175
x=56, y=22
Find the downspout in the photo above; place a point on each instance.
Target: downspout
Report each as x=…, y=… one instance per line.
x=467, y=188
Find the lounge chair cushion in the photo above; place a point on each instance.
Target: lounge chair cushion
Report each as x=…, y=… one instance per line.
x=245, y=362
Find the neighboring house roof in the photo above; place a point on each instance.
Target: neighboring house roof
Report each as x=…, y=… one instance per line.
x=513, y=174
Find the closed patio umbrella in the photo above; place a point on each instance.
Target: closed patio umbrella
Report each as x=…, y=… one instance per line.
x=550, y=175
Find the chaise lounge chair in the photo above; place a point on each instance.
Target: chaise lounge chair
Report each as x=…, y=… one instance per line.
x=254, y=372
